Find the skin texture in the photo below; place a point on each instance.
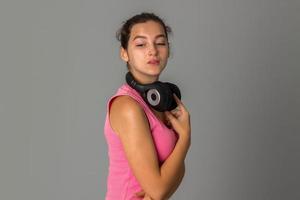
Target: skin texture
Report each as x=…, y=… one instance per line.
x=147, y=42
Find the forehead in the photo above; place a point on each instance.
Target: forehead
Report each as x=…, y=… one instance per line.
x=148, y=29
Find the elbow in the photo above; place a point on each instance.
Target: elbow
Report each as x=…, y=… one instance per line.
x=159, y=197
x=160, y=193
x=164, y=191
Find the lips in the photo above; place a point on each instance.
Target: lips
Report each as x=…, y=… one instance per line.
x=153, y=62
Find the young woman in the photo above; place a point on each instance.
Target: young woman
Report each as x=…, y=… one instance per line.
x=146, y=146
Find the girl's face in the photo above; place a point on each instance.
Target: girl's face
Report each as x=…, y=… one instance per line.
x=147, y=52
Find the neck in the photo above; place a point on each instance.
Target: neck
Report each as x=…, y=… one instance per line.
x=143, y=78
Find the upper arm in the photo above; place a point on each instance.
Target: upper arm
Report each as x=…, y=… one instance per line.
x=130, y=122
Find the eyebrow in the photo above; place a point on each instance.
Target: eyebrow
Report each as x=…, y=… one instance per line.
x=144, y=37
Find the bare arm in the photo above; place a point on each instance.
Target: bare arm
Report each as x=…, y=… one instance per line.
x=176, y=184
x=130, y=123
x=178, y=181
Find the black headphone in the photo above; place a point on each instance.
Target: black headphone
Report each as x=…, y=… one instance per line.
x=159, y=95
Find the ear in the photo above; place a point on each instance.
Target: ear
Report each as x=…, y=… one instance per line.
x=124, y=54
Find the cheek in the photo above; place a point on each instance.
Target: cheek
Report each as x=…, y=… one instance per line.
x=165, y=53
x=137, y=55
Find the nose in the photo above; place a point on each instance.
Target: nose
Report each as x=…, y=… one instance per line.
x=152, y=50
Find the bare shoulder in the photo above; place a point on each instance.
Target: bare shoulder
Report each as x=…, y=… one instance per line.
x=123, y=106
x=125, y=111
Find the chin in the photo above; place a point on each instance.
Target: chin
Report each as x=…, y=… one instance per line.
x=157, y=70
x=155, y=73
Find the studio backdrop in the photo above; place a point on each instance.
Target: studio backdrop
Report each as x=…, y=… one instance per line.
x=237, y=64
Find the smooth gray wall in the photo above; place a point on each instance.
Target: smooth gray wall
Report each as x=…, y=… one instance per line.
x=237, y=63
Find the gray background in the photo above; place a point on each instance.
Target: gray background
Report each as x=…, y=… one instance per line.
x=236, y=61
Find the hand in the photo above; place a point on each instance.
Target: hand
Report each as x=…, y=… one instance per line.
x=179, y=119
x=143, y=195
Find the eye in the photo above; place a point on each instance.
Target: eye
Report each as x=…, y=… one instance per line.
x=161, y=43
x=140, y=45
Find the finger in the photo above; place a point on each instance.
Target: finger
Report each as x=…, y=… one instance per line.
x=176, y=112
x=176, y=99
x=179, y=102
x=172, y=119
x=147, y=198
x=170, y=116
x=140, y=194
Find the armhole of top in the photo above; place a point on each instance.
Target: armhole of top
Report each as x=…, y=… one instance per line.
x=108, y=111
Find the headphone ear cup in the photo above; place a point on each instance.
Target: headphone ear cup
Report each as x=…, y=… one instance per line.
x=166, y=99
x=160, y=96
x=155, y=96
x=174, y=89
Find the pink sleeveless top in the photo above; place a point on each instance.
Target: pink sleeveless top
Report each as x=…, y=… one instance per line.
x=121, y=183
